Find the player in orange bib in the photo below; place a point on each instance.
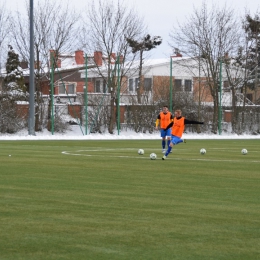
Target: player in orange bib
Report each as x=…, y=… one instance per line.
x=177, y=129
x=164, y=118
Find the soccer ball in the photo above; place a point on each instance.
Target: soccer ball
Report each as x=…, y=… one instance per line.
x=202, y=151
x=140, y=151
x=244, y=151
x=153, y=156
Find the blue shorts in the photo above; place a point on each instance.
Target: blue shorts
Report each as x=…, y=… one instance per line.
x=176, y=140
x=165, y=133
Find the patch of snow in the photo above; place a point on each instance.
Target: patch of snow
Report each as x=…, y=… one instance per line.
x=22, y=102
x=76, y=133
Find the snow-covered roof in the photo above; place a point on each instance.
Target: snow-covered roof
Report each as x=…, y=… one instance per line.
x=67, y=62
x=148, y=65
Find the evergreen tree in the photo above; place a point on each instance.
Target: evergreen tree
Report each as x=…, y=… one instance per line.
x=146, y=44
x=13, y=91
x=14, y=80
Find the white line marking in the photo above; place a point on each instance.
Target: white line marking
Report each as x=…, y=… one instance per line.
x=77, y=153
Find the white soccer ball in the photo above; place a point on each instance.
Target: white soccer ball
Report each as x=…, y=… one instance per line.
x=153, y=156
x=244, y=151
x=140, y=151
x=202, y=151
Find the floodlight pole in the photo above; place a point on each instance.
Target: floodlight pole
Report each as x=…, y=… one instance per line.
x=220, y=96
x=31, y=121
x=171, y=110
x=86, y=95
x=118, y=95
x=52, y=92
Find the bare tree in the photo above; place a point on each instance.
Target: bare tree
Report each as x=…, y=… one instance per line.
x=106, y=27
x=55, y=28
x=252, y=29
x=245, y=80
x=208, y=33
x=4, y=31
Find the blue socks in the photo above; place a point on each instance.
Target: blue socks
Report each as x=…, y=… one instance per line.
x=163, y=144
x=168, y=151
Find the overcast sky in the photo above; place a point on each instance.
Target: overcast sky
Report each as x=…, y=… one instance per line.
x=160, y=15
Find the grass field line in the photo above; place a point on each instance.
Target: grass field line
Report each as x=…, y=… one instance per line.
x=95, y=149
x=78, y=153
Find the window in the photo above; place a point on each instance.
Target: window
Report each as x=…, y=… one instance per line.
x=104, y=87
x=147, y=84
x=133, y=84
x=62, y=88
x=226, y=86
x=66, y=88
x=130, y=85
x=177, y=85
x=136, y=83
x=97, y=86
x=187, y=85
x=100, y=86
x=71, y=89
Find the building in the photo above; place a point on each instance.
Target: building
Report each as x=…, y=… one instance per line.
x=177, y=75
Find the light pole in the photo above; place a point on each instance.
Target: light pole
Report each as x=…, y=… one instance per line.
x=171, y=84
x=31, y=121
x=220, y=96
x=52, y=92
x=118, y=94
x=86, y=95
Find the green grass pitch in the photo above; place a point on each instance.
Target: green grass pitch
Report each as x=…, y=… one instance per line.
x=101, y=200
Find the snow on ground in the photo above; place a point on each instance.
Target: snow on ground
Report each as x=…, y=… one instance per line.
x=77, y=133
